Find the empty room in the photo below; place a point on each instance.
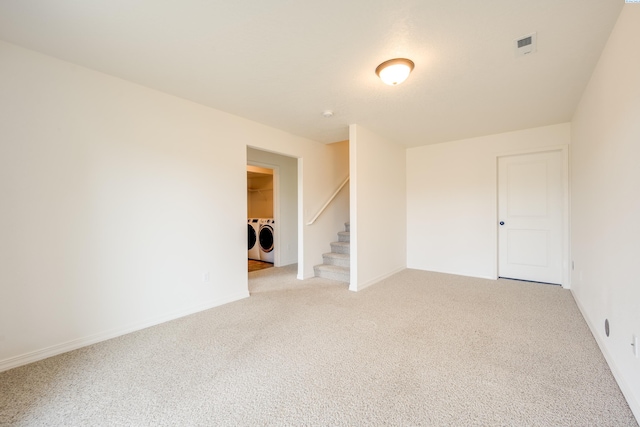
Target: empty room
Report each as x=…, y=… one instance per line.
x=441, y=202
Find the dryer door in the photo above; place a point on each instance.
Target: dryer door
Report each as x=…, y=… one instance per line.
x=266, y=238
x=251, y=233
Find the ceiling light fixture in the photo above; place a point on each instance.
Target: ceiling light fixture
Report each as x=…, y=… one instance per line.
x=395, y=71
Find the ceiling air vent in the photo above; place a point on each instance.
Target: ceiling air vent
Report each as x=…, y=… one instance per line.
x=526, y=44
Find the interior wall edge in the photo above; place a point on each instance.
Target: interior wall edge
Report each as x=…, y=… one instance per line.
x=378, y=279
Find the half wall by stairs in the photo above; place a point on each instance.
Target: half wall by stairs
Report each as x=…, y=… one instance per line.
x=336, y=264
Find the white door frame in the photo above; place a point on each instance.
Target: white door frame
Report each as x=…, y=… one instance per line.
x=276, y=205
x=566, y=256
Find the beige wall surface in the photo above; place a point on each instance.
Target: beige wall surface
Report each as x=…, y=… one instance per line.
x=452, y=199
x=606, y=204
x=378, y=207
x=122, y=206
x=260, y=196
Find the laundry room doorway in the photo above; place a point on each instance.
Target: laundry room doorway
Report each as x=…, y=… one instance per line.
x=272, y=209
x=260, y=217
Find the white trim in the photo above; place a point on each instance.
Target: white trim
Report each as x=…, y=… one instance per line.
x=276, y=206
x=54, y=350
x=362, y=286
x=624, y=387
x=558, y=147
x=301, y=275
x=353, y=210
x=566, y=223
x=454, y=273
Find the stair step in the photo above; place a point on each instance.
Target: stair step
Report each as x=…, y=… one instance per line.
x=341, y=260
x=341, y=247
x=332, y=272
x=336, y=264
x=344, y=236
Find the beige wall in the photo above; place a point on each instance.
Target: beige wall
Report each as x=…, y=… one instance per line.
x=260, y=196
x=378, y=207
x=123, y=207
x=606, y=203
x=452, y=199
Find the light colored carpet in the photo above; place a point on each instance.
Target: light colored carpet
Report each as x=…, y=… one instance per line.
x=419, y=348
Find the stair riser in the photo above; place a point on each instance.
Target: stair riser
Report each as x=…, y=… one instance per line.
x=340, y=262
x=340, y=249
x=344, y=237
x=347, y=227
x=332, y=275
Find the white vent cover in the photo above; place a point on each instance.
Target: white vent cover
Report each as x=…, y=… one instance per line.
x=526, y=44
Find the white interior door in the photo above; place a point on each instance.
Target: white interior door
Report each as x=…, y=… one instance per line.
x=530, y=215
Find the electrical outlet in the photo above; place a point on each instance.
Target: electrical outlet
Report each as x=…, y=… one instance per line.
x=206, y=277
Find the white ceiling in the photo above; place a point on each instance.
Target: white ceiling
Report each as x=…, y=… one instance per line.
x=283, y=62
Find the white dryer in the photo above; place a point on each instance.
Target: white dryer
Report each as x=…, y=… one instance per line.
x=266, y=239
x=253, y=228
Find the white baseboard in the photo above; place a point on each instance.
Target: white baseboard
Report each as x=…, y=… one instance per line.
x=285, y=262
x=455, y=273
x=54, y=350
x=368, y=283
x=632, y=400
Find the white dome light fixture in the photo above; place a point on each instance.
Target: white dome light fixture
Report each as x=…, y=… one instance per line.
x=395, y=71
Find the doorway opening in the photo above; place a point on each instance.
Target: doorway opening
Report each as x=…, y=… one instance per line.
x=260, y=218
x=272, y=209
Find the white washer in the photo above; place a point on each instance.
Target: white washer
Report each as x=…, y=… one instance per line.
x=266, y=239
x=253, y=228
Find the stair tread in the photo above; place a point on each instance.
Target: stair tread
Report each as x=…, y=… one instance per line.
x=341, y=243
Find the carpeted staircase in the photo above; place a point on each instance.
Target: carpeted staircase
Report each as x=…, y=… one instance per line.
x=336, y=263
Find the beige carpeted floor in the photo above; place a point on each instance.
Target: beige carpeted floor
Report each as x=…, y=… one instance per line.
x=419, y=348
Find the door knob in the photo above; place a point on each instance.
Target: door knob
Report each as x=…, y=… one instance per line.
x=501, y=222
